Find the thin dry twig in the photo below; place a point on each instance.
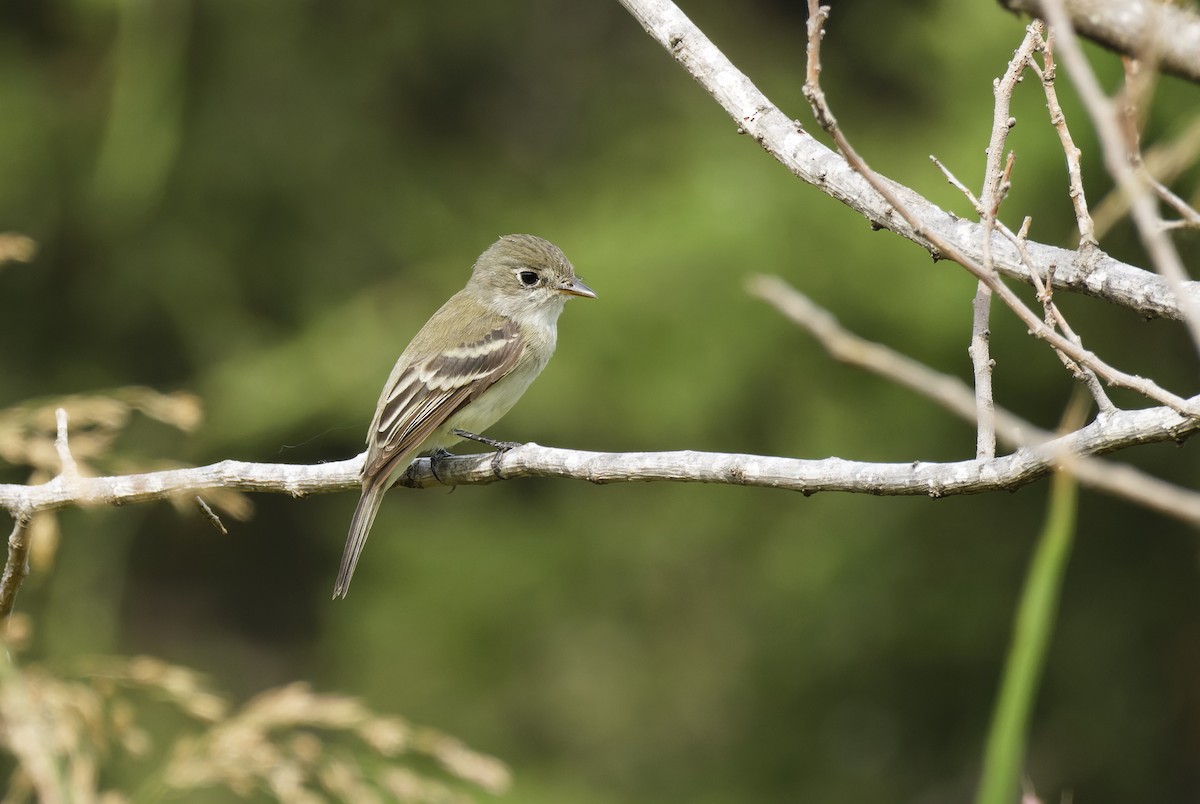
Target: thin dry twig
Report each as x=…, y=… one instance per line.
x=995, y=187
x=208, y=513
x=1048, y=73
x=70, y=469
x=1054, y=318
x=1116, y=152
x=16, y=566
x=981, y=360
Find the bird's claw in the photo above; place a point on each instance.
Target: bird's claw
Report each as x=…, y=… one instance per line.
x=437, y=455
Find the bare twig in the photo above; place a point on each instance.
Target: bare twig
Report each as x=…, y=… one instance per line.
x=957, y=185
x=69, y=468
x=995, y=188
x=1047, y=73
x=208, y=513
x=16, y=566
x=954, y=395
x=981, y=361
x=1054, y=318
x=298, y=480
x=817, y=15
x=1117, y=159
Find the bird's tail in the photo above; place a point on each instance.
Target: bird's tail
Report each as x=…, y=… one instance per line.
x=360, y=526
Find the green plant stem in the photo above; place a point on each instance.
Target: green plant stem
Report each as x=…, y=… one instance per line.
x=1008, y=735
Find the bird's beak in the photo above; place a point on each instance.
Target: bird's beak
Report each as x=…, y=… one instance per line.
x=577, y=288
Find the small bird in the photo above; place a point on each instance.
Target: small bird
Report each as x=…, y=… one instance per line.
x=465, y=369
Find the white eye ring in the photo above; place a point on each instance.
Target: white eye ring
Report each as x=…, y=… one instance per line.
x=528, y=278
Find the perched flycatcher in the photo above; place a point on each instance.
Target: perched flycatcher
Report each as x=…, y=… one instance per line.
x=466, y=368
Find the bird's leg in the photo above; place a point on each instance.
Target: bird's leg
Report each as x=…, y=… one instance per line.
x=501, y=447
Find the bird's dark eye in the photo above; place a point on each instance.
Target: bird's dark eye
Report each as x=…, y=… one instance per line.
x=528, y=278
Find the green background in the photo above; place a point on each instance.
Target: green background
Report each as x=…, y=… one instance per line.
x=261, y=202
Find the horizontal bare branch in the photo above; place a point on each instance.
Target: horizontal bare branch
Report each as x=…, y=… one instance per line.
x=1100, y=276
x=1117, y=431
x=298, y=480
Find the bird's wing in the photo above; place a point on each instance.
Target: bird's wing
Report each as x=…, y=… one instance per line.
x=430, y=390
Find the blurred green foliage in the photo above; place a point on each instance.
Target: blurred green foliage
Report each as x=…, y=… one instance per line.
x=261, y=202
